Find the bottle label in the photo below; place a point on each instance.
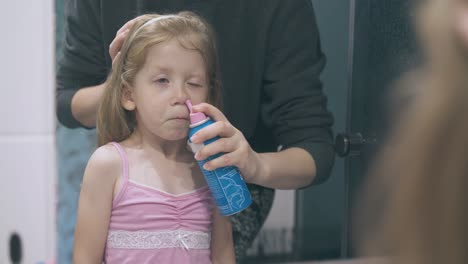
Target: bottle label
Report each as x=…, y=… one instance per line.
x=226, y=184
x=227, y=188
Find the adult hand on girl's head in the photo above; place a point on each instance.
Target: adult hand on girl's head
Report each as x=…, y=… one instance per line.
x=120, y=37
x=232, y=142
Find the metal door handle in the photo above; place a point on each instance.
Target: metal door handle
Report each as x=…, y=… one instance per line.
x=352, y=144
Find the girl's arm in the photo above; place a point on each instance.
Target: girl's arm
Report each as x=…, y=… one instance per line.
x=222, y=244
x=95, y=205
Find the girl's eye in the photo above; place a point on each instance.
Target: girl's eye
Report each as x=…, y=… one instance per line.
x=195, y=84
x=162, y=81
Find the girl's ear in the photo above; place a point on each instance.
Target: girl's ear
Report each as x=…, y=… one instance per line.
x=127, y=98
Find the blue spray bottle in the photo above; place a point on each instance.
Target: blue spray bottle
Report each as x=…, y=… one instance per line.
x=226, y=184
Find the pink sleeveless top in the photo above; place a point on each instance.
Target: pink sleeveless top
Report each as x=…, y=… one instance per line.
x=148, y=225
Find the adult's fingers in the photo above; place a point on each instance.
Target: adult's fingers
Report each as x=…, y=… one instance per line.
x=228, y=159
x=120, y=37
x=117, y=43
x=220, y=128
x=116, y=59
x=223, y=145
x=210, y=111
x=126, y=26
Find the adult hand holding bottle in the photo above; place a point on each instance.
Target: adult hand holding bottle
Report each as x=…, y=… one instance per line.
x=286, y=169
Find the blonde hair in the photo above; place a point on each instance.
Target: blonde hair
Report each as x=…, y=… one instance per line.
x=114, y=123
x=422, y=173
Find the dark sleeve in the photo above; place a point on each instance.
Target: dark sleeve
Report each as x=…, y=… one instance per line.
x=294, y=104
x=81, y=62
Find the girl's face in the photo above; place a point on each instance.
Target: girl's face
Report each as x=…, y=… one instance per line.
x=171, y=75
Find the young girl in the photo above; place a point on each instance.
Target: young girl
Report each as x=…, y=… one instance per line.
x=143, y=197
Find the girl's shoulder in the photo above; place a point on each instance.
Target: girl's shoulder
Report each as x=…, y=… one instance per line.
x=106, y=155
x=102, y=172
x=105, y=159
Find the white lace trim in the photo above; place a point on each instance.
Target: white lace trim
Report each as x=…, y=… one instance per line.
x=159, y=239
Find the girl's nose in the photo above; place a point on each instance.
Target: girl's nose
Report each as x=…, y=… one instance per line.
x=180, y=95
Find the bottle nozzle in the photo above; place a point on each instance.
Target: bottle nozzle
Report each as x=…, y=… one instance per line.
x=195, y=117
x=188, y=103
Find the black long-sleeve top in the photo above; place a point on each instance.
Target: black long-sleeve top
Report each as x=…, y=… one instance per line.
x=270, y=57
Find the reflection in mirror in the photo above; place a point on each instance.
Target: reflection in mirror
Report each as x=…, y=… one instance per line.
x=303, y=225
x=289, y=234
